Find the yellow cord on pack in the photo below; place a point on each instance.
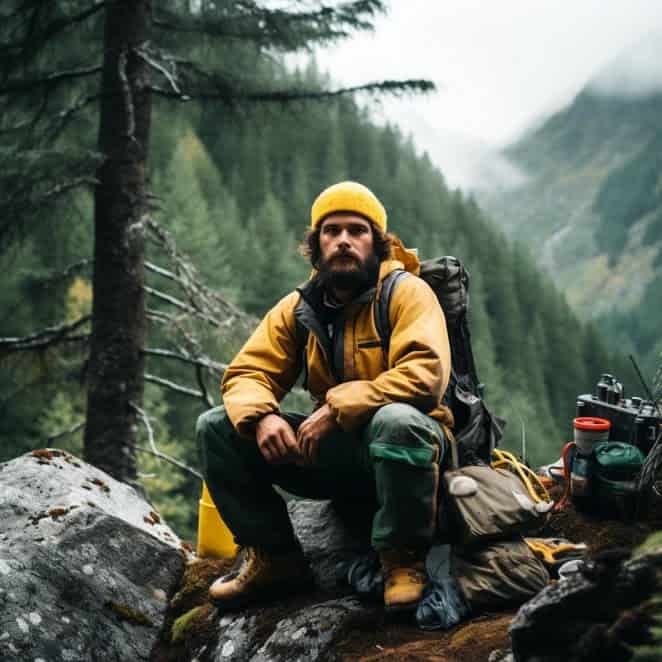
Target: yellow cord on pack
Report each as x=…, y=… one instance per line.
x=506, y=460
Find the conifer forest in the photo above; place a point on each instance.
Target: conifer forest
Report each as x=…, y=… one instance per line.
x=159, y=163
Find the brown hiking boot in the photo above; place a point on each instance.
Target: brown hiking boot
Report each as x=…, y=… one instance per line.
x=404, y=579
x=261, y=576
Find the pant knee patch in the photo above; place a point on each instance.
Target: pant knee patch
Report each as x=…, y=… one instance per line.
x=413, y=456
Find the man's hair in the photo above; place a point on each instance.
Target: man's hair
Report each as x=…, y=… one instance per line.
x=310, y=245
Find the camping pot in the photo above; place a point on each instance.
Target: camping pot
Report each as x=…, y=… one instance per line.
x=590, y=430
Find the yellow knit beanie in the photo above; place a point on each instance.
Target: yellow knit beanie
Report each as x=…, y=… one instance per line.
x=349, y=197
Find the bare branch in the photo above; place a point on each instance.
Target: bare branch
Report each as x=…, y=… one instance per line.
x=161, y=271
x=162, y=69
x=64, y=187
x=184, y=358
x=184, y=390
x=201, y=298
x=22, y=124
x=203, y=387
x=185, y=307
x=49, y=80
x=63, y=117
x=66, y=433
x=153, y=450
x=159, y=316
x=171, y=460
x=169, y=299
x=45, y=338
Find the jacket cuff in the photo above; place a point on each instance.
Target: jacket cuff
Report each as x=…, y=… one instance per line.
x=346, y=420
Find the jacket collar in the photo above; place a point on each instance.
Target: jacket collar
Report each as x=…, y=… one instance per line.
x=311, y=291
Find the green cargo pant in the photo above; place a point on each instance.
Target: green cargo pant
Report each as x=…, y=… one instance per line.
x=390, y=468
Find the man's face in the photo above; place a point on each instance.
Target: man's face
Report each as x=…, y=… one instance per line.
x=345, y=242
x=347, y=258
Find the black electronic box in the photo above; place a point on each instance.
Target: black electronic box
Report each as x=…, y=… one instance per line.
x=633, y=420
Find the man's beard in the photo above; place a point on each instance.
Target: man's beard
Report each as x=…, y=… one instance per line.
x=356, y=280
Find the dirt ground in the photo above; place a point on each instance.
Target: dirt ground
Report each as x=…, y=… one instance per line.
x=388, y=641
x=476, y=639
x=473, y=640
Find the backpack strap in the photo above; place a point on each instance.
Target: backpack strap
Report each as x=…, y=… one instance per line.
x=382, y=321
x=302, y=344
x=464, y=357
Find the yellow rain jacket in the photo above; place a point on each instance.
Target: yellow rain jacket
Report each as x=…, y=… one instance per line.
x=355, y=378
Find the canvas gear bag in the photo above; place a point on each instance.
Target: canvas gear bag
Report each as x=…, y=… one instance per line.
x=476, y=430
x=500, y=574
x=461, y=581
x=484, y=505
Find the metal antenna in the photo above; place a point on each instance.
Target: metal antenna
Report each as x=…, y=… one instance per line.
x=651, y=397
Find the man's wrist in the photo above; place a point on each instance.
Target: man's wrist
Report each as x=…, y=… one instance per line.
x=259, y=420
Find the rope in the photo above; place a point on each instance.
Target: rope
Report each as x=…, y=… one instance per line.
x=531, y=480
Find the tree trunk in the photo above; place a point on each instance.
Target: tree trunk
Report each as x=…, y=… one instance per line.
x=115, y=370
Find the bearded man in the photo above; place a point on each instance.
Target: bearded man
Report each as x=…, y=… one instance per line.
x=376, y=438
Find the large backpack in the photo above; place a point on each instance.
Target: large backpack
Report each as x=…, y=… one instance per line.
x=477, y=432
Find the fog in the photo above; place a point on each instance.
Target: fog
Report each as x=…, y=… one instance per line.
x=635, y=72
x=499, y=68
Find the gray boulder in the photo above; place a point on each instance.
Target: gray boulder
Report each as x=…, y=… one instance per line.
x=86, y=565
x=309, y=626
x=325, y=538
x=597, y=613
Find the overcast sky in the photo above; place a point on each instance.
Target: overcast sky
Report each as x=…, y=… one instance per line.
x=498, y=64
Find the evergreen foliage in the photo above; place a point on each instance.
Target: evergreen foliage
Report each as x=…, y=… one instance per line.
x=532, y=353
x=234, y=185
x=628, y=194
x=591, y=208
x=105, y=62
x=638, y=333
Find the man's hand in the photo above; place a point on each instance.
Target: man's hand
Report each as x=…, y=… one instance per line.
x=314, y=428
x=276, y=440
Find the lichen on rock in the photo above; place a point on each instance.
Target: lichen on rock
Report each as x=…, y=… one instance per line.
x=79, y=578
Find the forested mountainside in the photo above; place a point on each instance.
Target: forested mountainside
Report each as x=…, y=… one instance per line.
x=591, y=212
x=234, y=189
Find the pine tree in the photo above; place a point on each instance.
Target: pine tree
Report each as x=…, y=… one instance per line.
x=274, y=270
x=111, y=59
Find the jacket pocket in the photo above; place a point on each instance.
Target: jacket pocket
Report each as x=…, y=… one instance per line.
x=367, y=344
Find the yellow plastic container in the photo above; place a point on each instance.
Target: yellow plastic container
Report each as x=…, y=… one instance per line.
x=214, y=537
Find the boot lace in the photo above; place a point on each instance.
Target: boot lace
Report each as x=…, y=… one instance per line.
x=407, y=567
x=254, y=562
x=410, y=575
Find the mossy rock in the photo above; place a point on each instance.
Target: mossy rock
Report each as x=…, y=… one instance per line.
x=197, y=578
x=129, y=614
x=181, y=626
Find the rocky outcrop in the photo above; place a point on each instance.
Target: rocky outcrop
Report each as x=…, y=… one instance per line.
x=87, y=569
x=308, y=627
x=86, y=565
x=598, y=613
x=605, y=608
x=327, y=623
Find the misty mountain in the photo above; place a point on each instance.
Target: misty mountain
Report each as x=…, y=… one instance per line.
x=591, y=207
x=467, y=162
